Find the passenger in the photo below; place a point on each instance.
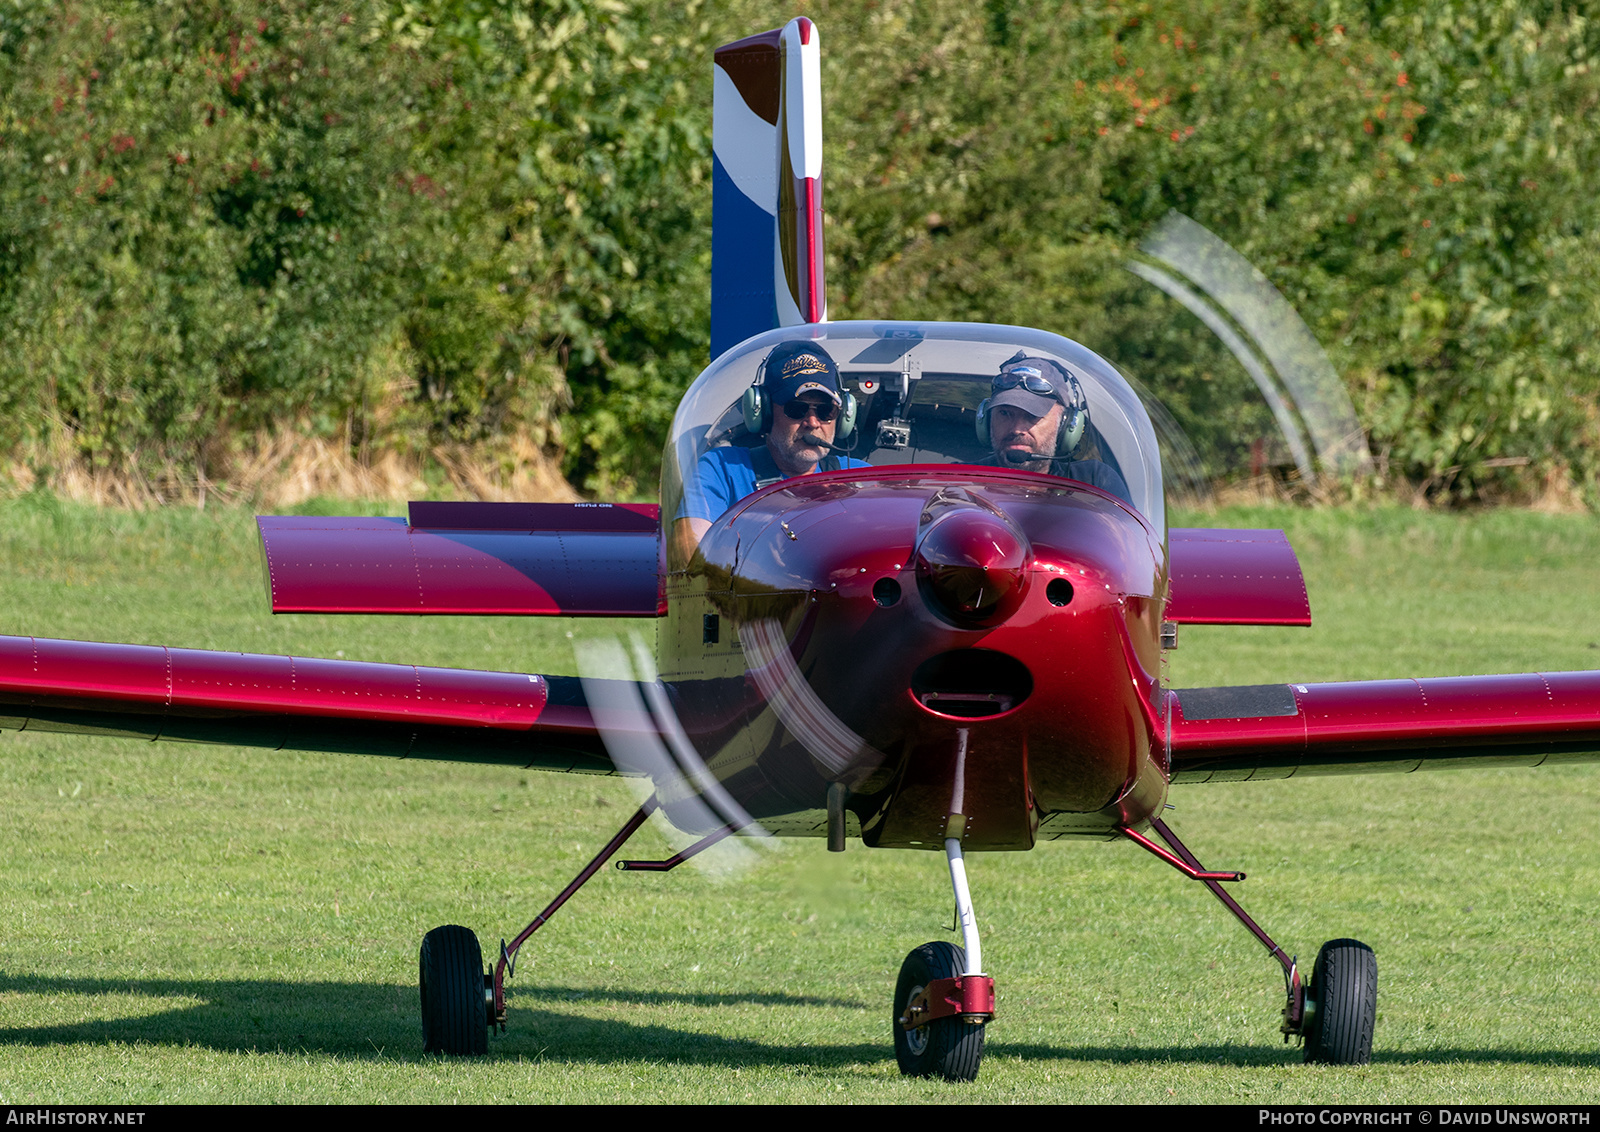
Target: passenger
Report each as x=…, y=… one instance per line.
x=795, y=404
x=1036, y=417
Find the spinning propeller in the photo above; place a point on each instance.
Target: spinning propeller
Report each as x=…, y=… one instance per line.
x=649, y=744
x=1283, y=408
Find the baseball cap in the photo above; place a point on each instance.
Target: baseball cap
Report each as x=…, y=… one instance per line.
x=800, y=367
x=1020, y=373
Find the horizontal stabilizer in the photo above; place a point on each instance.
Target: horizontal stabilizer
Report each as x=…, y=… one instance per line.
x=1283, y=730
x=1227, y=577
x=296, y=703
x=525, y=559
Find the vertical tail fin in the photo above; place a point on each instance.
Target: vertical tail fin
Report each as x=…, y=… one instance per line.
x=766, y=176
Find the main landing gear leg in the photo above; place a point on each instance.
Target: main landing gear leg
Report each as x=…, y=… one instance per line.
x=1336, y=1013
x=460, y=1003
x=943, y=1000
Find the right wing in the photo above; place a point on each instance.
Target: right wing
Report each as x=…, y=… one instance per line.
x=294, y=703
x=1292, y=730
x=449, y=558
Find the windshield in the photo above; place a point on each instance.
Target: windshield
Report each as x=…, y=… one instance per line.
x=920, y=393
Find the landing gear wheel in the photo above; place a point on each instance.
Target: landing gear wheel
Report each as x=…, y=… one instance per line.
x=1344, y=987
x=950, y=1048
x=455, y=1017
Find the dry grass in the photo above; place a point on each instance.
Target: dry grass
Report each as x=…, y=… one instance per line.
x=288, y=467
x=377, y=451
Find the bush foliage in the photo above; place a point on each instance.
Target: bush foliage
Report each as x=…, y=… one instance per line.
x=412, y=222
x=218, y=217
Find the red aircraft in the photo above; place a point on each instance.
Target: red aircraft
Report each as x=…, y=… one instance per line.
x=912, y=583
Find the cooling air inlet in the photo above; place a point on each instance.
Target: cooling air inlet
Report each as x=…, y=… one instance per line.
x=971, y=683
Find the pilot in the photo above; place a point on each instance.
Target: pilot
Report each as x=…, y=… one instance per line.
x=795, y=405
x=1035, y=418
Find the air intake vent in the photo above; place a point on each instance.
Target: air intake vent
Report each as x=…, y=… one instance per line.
x=971, y=683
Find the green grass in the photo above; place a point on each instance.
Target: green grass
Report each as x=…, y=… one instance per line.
x=201, y=924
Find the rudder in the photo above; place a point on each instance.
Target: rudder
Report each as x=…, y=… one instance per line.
x=766, y=237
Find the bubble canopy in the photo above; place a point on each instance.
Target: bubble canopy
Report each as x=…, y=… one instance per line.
x=919, y=387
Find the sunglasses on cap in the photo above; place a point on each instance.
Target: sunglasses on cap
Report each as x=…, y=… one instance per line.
x=800, y=410
x=1028, y=377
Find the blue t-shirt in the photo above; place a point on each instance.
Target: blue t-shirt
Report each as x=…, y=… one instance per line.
x=726, y=475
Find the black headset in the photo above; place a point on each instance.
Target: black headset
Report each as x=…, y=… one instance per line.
x=1074, y=419
x=756, y=405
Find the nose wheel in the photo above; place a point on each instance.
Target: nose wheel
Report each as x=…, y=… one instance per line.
x=950, y=1046
x=942, y=1000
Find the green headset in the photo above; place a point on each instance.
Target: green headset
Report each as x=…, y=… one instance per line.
x=1069, y=394
x=756, y=404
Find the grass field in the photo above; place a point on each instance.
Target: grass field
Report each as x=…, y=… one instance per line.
x=202, y=924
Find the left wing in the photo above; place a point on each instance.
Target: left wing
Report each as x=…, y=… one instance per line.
x=1288, y=730
x=295, y=703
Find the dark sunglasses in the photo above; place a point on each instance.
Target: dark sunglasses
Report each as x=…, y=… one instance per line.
x=800, y=410
x=1027, y=377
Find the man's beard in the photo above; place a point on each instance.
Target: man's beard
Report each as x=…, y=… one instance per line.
x=1016, y=457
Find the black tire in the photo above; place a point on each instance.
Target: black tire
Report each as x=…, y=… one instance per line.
x=1344, y=985
x=951, y=1048
x=455, y=1017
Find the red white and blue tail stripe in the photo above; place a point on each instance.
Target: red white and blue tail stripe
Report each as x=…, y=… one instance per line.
x=766, y=241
